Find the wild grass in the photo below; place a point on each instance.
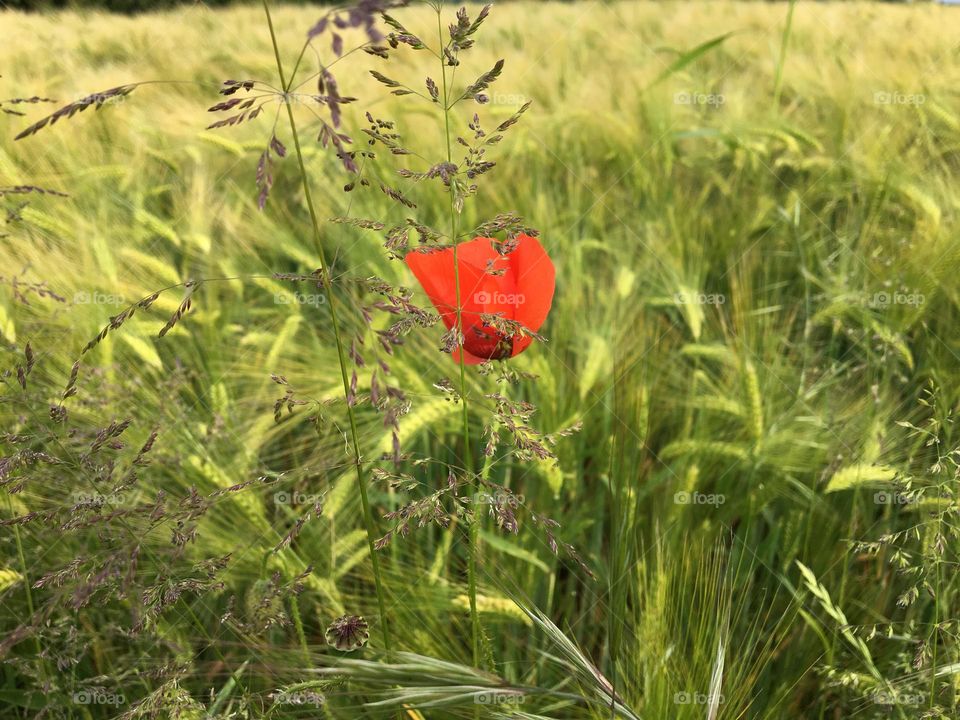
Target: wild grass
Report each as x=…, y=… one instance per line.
x=758, y=274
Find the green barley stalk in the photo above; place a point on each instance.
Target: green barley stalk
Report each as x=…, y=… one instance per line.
x=468, y=455
x=341, y=355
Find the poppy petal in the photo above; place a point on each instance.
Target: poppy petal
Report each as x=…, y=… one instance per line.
x=435, y=271
x=535, y=279
x=517, y=286
x=520, y=344
x=479, y=252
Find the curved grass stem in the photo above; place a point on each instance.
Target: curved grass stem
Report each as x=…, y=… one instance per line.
x=341, y=353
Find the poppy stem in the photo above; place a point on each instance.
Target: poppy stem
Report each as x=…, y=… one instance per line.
x=473, y=528
x=341, y=354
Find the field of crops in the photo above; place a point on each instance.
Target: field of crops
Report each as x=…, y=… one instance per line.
x=724, y=485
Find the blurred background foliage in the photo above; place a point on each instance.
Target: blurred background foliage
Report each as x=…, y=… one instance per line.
x=138, y=6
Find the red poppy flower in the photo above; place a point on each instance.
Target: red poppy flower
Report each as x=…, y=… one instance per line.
x=517, y=286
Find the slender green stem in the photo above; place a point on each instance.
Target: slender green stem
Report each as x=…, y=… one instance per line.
x=26, y=588
x=296, y=66
x=785, y=40
x=298, y=627
x=616, y=505
x=467, y=451
x=936, y=606
x=341, y=353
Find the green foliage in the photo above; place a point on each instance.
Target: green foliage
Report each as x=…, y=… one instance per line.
x=752, y=302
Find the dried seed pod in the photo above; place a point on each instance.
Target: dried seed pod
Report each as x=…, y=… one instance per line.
x=348, y=633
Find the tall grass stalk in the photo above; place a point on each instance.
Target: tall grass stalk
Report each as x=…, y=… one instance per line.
x=24, y=572
x=473, y=528
x=341, y=355
x=938, y=599
x=784, y=42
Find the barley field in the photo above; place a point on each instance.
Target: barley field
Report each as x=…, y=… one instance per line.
x=724, y=486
